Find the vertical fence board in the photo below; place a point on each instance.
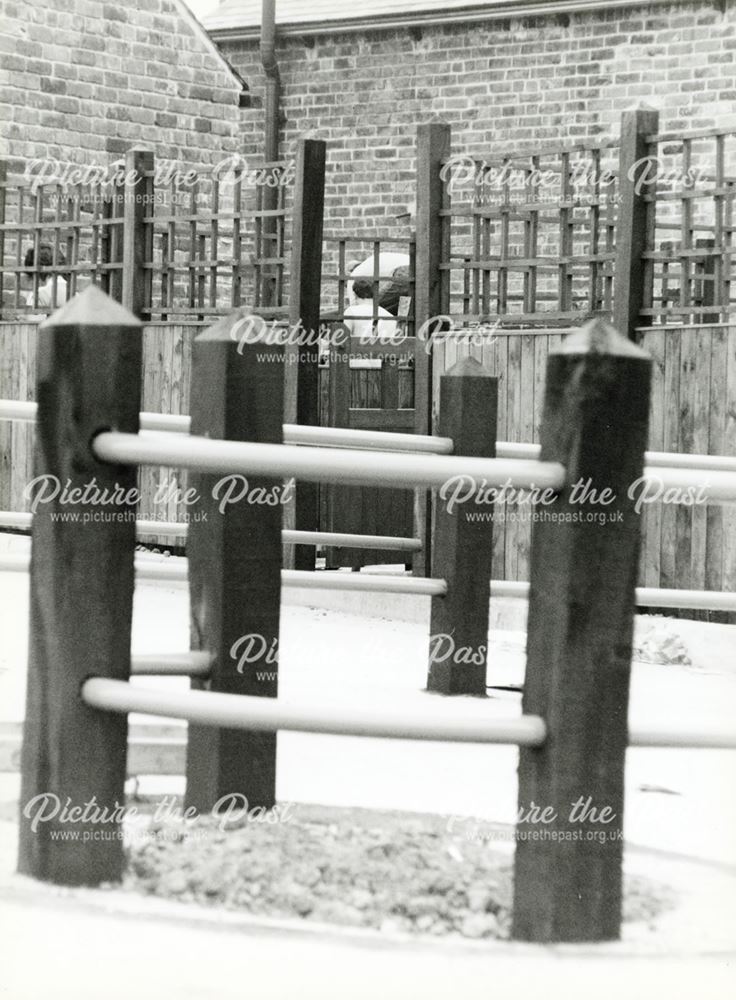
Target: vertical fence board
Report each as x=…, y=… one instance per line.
x=513, y=431
x=700, y=382
x=9, y=360
x=18, y=349
x=496, y=365
x=654, y=343
x=526, y=433
x=686, y=429
x=668, y=530
x=718, y=444
x=729, y=437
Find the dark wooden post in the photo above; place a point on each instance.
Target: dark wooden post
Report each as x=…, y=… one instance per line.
x=584, y=562
x=137, y=234
x=462, y=548
x=635, y=169
x=234, y=553
x=105, y=252
x=89, y=363
x=302, y=403
x=114, y=252
x=430, y=295
x=707, y=295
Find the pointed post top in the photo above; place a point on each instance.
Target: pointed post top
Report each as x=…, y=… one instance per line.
x=598, y=337
x=92, y=307
x=642, y=106
x=468, y=366
x=244, y=327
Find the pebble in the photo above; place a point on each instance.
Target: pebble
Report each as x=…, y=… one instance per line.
x=480, y=899
x=173, y=883
x=332, y=911
x=361, y=898
x=395, y=925
x=479, y=925
x=442, y=884
x=419, y=906
x=311, y=878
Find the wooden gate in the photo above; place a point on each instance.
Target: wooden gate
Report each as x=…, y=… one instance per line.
x=368, y=380
x=371, y=387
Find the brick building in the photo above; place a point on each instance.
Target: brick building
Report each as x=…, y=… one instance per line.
x=83, y=81
x=509, y=72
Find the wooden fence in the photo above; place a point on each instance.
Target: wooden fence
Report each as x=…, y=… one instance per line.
x=166, y=375
x=513, y=249
x=567, y=887
x=171, y=243
x=177, y=250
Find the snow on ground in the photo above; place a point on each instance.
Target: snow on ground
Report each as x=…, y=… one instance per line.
x=681, y=801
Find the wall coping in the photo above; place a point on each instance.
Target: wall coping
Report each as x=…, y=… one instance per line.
x=230, y=29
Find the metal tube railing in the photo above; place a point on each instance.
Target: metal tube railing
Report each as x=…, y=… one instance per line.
x=687, y=737
x=233, y=711
x=343, y=437
x=171, y=665
x=646, y=597
x=701, y=485
x=345, y=540
x=340, y=437
x=179, y=529
x=322, y=465
x=653, y=459
x=366, y=582
x=147, y=568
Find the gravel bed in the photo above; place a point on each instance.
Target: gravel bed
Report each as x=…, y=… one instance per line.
x=348, y=867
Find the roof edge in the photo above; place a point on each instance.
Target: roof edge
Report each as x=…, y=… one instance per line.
x=207, y=39
x=462, y=15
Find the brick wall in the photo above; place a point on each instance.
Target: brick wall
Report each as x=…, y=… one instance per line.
x=83, y=80
x=503, y=83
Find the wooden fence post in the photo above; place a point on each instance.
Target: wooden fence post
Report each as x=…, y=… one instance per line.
x=430, y=294
x=235, y=554
x=74, y=757
x=302, y=403
x=462, y=548
x=706, y=292
x=584, y=563
x=114, y=251
x=137, y=234
x=630, y=276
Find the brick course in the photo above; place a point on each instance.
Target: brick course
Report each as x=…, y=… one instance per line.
x=499, y=84
x=81, y=81
x=85, y=80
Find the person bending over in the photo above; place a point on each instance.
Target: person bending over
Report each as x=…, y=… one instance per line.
x=359, y=317
x=45, y=298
